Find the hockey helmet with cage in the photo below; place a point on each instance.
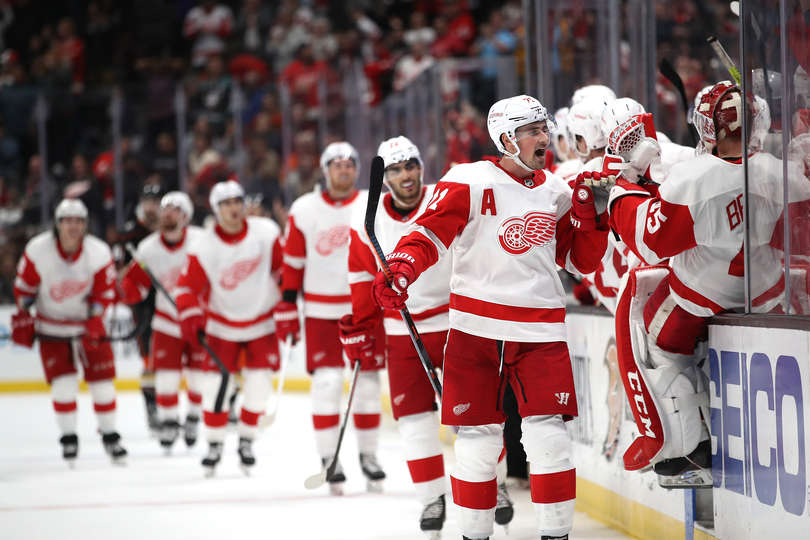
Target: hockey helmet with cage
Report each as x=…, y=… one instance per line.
x=338, y=150
x=70, y=208
x=223, y=191
x=593, y=91
x=507, y=115
x=719, y=114
x=585, y=121
x=179, y=200
x=635, y=141
x=618, y=111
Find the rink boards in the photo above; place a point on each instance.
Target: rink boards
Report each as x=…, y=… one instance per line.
x=759, y=408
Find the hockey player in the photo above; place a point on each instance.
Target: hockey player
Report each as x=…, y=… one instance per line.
x=227, y=291
x=164, y=254
x=567, y=163
x=505, y=224
x=696, y=220
x=315, y=262
x=69, y=277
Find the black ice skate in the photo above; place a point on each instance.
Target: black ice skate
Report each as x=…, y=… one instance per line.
x=212, y=458
x=337, y=479
x=150, y=400
x=191, y=429
x=373, y=473
x=70, y=448
x=246, y=457
x=432, y=519
x=112, y=445
x=169, y=431
x=504, y=510
x=692, y=471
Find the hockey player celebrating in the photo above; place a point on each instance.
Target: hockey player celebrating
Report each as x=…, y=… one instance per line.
x=696, y=220
x=505, y=224
x=164, y=254
x=412, y=398
x=227, y=291
x=315, y=262
x=69, y=277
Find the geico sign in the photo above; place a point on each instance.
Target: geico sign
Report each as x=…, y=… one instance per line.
x=757, y=419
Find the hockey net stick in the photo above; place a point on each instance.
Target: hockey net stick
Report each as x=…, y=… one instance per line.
x=317, y=480
x=374, y=191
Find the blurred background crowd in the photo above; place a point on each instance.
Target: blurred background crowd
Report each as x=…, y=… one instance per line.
x=100, y=99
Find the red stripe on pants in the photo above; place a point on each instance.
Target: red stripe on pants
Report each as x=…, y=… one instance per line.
x=104, y=407
x=503, y=455
x=249, y=417
x=554, y=487
x=475, y=495
x=366, y=421
x=325, y=421
x=426, y=469
x=64, y=407
x=166, y=400
x=213, y=419
x=194, y=397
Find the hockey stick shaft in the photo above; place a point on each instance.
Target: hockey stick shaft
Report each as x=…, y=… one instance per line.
x=374, y=191
x=725, y=59
x=668, y=71
x=270, y=416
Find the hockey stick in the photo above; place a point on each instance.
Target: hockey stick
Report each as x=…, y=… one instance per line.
x=269, y=416
x=317, y=480
x=374, y=190
x=725, y=59
x=669, y=73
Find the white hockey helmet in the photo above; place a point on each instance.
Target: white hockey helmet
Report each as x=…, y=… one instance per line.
x=585, y=120
x=561, y=130
x=180, y=200
x=338, y=150
x=222, y=191
x=397, y=149
x=70, y=208
x=634, y=140
x=619, y=111
x=593, y=91
x=507, y=115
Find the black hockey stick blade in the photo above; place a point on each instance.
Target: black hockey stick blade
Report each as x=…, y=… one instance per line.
x=668, y=71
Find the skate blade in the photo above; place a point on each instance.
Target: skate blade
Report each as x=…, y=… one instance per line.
x=167, y=451
x=336, y=489
x=119, y=462
x=246, y=469
x=71, y=463
x=208, y=472
x=315, y=481
x=374, y=486
x=433, y=535
x=699, y=478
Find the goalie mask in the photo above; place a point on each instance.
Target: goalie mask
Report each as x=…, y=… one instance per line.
x=507, y=115
x=634, y=141
x=719, y=114
x=338, y=150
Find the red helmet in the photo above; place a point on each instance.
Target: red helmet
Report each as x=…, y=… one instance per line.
x=719, y=114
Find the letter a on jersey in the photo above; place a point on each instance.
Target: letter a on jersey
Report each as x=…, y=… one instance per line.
x=488, y=203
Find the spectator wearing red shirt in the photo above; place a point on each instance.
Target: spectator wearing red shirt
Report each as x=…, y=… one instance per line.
x=302, y=74
x=208, y=24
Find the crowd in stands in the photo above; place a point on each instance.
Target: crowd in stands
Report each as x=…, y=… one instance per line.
x=68, y=63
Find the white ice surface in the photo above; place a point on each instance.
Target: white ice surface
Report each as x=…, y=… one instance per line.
x=157, y=497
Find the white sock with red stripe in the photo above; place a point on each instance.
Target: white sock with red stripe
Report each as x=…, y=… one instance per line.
x=64, y=390
x=327, y=387
x=552, y=475
x=215, y=422
x=500, y=468
x=167, y=384
x=255, y=390
x=367, y=406
x=475, y=487
x=194, y=391
x=423, y=453
x=103, y=393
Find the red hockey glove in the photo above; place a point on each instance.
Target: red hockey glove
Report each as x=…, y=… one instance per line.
x=94, y=333
x=394, y=295
x=22, y=328
x=191, y=326
x=583, y=211
x=357, y=341
x=286, y=316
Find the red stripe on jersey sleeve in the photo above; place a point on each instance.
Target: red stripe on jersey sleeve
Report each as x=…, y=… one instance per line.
x=361, y=257
x=28, y=277
x=103, y=291
x=447, y=212
x=134, y=281
x=364, y=308
x=194, y=279
x=295, y=244
x=292, y=279
x=586, y=248
x=277, y=255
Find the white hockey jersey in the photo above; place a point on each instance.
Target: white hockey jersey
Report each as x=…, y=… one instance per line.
x=697, y=221
x=316, y=251
x=428, y=298
x=232, y=274
x=166, y=262
x=65, y=286
x=505, y=237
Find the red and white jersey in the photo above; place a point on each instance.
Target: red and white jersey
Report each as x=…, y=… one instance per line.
x=209, y=28
x=505, y=237
x=697, y=221
x=316, y=251
x=65, y=285
x=671, y=155
x=166, y=262
x=568, y=169
x=232, y=275
x=428, y=298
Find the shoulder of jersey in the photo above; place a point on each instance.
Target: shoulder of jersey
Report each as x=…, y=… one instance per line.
x=97, y=249
x=594, y=164
x=149, y=241
x=555, y=181
x=264, y=224
x=479, y=172
x=304, y=201
x=699, y=179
